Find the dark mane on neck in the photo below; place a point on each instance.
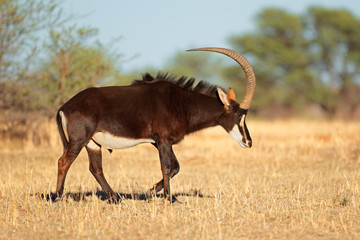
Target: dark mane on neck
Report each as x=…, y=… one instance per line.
x=183, y=82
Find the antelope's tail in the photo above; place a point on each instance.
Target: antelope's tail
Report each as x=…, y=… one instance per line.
x=59, y=122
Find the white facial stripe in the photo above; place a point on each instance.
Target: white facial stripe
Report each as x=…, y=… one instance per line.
x=242, y=121
x=235, y=133
x=93, y=145
x=63, y=123
x=242, y=125
x=114, y=142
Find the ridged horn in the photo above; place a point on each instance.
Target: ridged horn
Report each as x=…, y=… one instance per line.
x=245, y=65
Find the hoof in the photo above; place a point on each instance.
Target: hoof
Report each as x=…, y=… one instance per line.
x=150, y=194
x=114, y=199
x=174, y=200
x=58, y=199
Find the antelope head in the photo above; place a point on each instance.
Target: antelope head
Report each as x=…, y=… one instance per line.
x=234, y=118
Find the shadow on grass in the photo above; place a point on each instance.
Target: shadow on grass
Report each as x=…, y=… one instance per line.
x=81, y=196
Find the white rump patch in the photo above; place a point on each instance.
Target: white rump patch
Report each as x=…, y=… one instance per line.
x=110, y=141
x=63, y=123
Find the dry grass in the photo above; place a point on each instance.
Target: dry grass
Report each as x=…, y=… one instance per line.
x=299, y=181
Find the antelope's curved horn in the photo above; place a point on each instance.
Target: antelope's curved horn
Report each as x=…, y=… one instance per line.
x=245, y=65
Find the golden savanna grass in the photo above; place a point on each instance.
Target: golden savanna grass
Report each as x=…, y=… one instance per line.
x=299, y=181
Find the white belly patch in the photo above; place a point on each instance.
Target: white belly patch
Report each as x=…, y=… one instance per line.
x=110, y=141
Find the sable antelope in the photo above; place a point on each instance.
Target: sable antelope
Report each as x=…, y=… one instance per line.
x=160, y=111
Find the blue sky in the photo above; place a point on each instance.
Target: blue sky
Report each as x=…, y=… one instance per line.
x=154, y=31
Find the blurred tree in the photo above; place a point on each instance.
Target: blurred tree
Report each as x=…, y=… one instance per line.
x=34, y=75
x=20, y=20
x=294, y=55
x=335, y=46
x=73, y=64
x=278, y=53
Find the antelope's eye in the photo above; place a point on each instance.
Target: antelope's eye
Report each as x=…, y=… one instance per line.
x=239, y=115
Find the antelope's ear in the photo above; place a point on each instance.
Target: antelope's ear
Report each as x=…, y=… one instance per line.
x=231, y=94
x=224, y=98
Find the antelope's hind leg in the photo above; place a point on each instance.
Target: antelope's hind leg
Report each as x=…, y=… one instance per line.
x=64, y=163
x=95, y=166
